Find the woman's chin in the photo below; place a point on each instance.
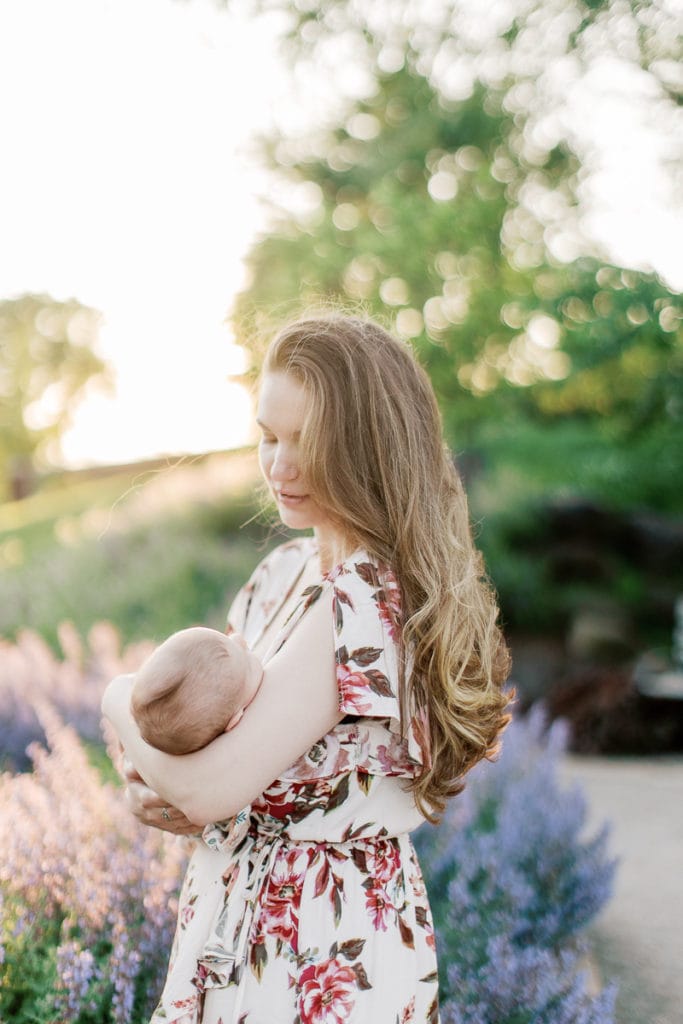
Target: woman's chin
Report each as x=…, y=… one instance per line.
x=294, y=519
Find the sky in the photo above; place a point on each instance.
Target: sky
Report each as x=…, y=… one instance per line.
x=127, y=185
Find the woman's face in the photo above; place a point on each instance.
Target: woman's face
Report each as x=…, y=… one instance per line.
x=282, y=408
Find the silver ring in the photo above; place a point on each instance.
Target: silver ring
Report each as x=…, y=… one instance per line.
x=164, y=814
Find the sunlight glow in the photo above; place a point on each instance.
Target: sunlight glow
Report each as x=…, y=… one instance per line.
x=130, y=188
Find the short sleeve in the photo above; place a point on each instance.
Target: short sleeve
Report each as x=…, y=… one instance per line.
x=366, y=605
x=270, y=581
x=271, y=570
x=366, y=610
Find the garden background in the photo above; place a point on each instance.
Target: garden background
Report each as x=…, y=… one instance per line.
x=430, y=171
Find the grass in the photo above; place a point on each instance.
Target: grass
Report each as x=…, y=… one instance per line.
x=151, y=551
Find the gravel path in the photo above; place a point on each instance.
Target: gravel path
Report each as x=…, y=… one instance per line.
x=638, y=939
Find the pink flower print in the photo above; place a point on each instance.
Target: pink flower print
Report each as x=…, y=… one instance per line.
x=379, y=906
x=325, y=758
x=408, y=1015
x=353, y=690
x=394, y=757
x=189, y=1010
x=187, y=912
x=335, y=572
x=273, y=801
x=328, y=756
x=327, y=993
x=389, y=605
x=280, y=906
x=383, y=862
x=418, y=885
x=291, y=800
x=278, y=801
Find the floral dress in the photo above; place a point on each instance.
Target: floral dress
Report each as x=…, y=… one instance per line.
x=314, y=910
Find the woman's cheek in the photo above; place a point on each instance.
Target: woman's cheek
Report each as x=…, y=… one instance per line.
x=265, y=459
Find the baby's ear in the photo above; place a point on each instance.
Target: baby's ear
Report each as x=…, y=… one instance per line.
x=234, y=720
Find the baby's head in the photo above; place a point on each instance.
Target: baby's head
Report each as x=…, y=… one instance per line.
x=195, y=686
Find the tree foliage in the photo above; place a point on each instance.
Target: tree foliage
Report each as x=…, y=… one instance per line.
x=46, y=361
x=444, y=200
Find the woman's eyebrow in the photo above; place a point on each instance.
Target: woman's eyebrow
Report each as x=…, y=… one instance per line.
x=296, y=436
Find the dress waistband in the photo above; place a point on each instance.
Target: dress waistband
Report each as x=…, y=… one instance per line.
x=228, y=836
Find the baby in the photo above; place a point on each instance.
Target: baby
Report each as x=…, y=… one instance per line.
x=195, y=686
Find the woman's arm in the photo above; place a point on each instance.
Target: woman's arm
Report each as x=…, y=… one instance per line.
x=296, y=704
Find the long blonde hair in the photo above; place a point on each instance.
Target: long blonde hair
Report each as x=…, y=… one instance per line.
x=373, y=452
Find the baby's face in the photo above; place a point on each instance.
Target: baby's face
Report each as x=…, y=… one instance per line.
x=246, y=667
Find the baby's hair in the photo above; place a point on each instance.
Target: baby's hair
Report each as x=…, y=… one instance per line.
x=178, y=713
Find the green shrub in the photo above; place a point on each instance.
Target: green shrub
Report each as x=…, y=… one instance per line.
x=148, y=582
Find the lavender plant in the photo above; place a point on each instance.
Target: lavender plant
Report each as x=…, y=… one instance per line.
x=513, y=886
x=30, y=675
x=87, y=895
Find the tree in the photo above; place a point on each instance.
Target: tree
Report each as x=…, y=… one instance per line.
x=46, y=361
x=445, y=199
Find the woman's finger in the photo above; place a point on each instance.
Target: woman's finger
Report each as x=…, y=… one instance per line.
x=149, y=808
x=129, y=771
x=141, y=797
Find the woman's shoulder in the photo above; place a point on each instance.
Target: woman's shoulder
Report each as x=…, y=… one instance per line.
x=364, y=583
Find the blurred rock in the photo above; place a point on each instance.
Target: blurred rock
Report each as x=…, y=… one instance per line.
x=607, y=715
x=645, y=538
x=537, y=662
x=600, y=632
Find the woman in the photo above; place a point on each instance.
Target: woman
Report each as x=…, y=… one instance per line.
x=383, y=686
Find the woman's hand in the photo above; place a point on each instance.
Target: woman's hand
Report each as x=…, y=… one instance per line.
x=149, y=808
x=144, y=803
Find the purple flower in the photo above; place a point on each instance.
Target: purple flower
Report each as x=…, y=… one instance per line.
x=31, y=677
x=79, y=875
x=520, y=885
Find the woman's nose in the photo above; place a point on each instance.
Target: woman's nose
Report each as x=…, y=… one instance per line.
x=284, y=468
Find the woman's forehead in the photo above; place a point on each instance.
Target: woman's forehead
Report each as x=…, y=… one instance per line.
x=283, y=402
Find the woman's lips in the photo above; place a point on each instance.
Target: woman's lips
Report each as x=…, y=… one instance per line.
x=291, y=500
